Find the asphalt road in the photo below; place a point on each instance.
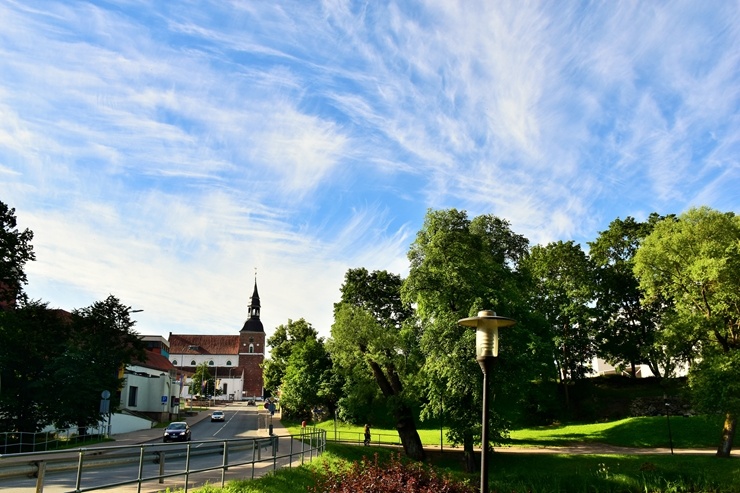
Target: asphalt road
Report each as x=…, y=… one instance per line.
x=207, y=436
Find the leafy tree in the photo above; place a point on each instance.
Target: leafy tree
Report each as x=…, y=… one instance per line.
x=281, y=345
x=459, y=267
x=305, y=381
x=369, y=332
x=102, y=342
x=31, y=332
x=563, y=293
x=630, y=326
x=695, y=262
x=202, y=381
x=15, y=251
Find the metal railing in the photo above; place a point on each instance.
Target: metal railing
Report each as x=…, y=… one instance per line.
x=358, y=437
x=256, y=452
x=16, y=442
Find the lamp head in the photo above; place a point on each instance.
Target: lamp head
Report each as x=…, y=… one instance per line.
x=486, y=326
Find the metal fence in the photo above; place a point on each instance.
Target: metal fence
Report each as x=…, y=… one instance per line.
x=155, y=462
x=358, y=437
x=21, y=442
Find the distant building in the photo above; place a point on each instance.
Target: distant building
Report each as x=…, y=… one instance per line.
x=150, y=386
x=234, y=361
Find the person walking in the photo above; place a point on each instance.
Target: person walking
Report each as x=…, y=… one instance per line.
x=367, y=435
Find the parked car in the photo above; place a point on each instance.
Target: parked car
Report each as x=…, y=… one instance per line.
x=178, y=431
x=217, y=416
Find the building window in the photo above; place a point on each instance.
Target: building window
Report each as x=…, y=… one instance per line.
x=251, y=339
x=132, y=394
x=228, y=363
x=192, y=363
x=210, y=363
x=251, y=348
x=174, y=362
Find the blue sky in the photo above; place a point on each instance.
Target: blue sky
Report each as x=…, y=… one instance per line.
x=163, y=151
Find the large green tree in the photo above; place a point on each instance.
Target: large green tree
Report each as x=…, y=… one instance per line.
x=15, y=251
x=563, y=293
x=369, y=331
x=694, y=261
x=630, y=330
x=306, y=381
x=458, y=267
x=282, y=343
x=30, y=333
x=102, y=342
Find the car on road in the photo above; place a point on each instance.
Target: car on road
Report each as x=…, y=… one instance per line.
x=217, y=416
x=177, y=431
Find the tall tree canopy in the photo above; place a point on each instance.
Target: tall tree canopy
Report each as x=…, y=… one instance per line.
x=102, y=342
x=282, y=343
x=15, y=251
x=563, y=293
x=630, y=327
x=694, y=261
x=369, y=331
x=458, y=267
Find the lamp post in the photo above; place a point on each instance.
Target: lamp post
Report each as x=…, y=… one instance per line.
x=486, y=324
x=668, y=419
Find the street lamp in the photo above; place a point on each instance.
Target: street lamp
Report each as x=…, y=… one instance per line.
x=486, y=324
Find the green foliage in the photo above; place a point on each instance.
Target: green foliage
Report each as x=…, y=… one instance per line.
x=15, y=251
x=371, y=337
x=31, y=332
x=629, y=326
x=202, y=381
x=695, y=262
x=101, y=343
x=281, y=345
x=563, y=293
x=309, y=367
x=715, y=382
x=458, y=267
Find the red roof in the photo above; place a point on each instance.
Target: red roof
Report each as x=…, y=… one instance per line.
x=203, y=344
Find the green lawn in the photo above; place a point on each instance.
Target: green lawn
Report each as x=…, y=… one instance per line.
x=645, y=432
x=550, y=473
x=534, y=473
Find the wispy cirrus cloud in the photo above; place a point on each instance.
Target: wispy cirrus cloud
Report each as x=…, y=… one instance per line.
x=163, y=152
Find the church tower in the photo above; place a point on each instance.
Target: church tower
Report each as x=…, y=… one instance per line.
x=252, y=348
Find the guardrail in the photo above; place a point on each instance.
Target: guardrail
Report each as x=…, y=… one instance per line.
x=304, y=446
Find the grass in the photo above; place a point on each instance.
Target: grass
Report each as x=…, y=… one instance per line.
x=533, y=473
x=550, y=473
x=644, y=432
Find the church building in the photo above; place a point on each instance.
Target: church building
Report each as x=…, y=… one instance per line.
x=234, y=361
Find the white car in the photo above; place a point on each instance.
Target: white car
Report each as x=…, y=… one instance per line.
x=217, y=416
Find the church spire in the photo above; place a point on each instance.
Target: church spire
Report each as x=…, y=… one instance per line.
x=253, y=323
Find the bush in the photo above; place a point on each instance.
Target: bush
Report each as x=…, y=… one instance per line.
x=395, y=476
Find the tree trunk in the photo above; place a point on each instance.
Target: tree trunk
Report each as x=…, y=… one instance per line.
x=728, y=435
x=470, y=464
x=405, y=423
x=410, y=440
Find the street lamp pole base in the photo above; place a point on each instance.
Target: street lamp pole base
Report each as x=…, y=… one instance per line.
x=486, y=364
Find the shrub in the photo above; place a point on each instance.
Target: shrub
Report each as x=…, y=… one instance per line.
x=395, y=476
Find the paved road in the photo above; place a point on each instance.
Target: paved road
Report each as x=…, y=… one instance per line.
x=241, y=422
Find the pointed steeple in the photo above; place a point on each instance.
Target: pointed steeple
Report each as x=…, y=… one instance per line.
x=253, y=323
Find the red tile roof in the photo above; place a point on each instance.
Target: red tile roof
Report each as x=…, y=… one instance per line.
x=203, y=344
